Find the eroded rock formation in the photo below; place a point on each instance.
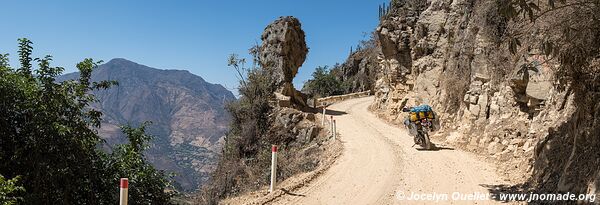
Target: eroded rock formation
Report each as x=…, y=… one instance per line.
x=282, y=52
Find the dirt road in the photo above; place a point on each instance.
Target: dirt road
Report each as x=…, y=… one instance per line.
x=379, y=166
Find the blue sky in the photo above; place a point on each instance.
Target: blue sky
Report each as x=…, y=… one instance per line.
x=190, y=35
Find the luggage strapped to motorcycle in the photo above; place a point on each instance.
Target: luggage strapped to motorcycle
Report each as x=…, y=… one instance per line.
x=421, y=112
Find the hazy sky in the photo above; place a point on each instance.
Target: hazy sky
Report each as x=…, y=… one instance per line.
x=191, y=35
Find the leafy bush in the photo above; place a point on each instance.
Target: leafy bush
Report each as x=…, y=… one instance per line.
x=323, y=84
x=9, y=188
x=147, y=185
x=48, y=137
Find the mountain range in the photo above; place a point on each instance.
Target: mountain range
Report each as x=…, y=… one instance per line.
x=188, y=116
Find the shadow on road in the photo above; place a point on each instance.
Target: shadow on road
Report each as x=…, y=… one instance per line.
x=292, y=194
x=434, y=148
x=328, y=112
x=334, y=112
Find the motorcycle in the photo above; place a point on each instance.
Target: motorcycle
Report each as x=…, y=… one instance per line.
x=422, y=137
x=423, y=126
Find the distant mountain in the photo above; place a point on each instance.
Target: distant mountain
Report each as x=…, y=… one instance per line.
x=187, y=114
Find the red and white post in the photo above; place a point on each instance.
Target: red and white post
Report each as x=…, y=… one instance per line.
x=273, y=168
x=124, y=187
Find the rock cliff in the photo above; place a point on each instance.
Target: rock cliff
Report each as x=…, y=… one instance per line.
x=454, y=56
x=359, y=71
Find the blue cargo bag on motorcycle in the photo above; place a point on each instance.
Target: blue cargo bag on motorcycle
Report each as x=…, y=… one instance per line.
x=419, y=113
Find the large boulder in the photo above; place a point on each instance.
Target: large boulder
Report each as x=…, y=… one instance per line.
x=538, y=89
x=282, y=52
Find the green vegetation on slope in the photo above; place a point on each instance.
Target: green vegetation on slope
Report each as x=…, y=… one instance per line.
x=48, y=140
x=323, y=84
x=356, y=74
x=243, y=159
x=8, y=189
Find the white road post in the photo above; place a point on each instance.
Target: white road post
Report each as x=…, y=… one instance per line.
x=334, y=132
x=124, y=187
x=323, y=121
x=331, y=123
x=273, y=168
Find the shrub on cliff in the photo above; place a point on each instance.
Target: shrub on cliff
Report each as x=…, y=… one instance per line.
x=242, y=157
x=48, y=139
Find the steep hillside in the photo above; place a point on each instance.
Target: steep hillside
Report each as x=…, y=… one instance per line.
x=270, y=111
x=187, y=114
x=359, y=71
x=534, y=109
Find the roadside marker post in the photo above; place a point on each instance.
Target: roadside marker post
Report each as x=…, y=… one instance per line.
x=123, y=195
x=323, y=121
x=334, y=132
x=331, y=123
x=273, y=168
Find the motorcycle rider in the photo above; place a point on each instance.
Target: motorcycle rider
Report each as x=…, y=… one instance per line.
x=419, y=121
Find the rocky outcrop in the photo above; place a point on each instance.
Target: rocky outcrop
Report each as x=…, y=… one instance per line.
x=358, y=73
x=258, y=122
x=282, y=52
x=187, y=114
x=295, y=126
x=451, y=55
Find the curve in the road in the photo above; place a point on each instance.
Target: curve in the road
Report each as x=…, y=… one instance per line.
x=380, y=166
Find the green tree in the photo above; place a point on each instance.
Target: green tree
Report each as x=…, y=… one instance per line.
x=48, y=137
x=323, y=84
x=9, y=188
x=147, y=184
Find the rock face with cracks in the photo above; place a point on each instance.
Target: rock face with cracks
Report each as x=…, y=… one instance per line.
x=452, y=55
x=282, y=52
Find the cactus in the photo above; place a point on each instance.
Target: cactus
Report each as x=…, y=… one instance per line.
x=388, y=10
x=384, y=9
